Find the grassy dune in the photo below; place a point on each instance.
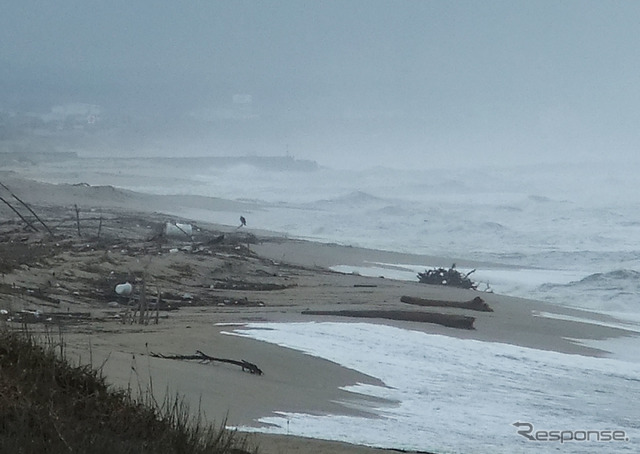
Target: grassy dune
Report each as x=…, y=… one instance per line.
x=50, y=406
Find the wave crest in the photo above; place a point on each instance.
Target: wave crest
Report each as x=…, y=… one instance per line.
x=622, y=275
x=352, y=198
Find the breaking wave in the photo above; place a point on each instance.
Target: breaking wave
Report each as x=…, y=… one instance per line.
x=613, y=277
x=616, y=291
x=612, y=280
x=352, y=198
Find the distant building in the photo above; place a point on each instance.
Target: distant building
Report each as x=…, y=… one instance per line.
x=241, y=108
x=74, y=115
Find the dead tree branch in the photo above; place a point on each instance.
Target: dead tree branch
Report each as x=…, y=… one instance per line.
x=202, y=357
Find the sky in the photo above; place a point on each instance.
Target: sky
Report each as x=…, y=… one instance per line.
x=342, y=81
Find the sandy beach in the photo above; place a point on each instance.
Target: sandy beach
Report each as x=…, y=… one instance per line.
x=221, y=278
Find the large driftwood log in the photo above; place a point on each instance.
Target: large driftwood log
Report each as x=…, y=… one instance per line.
x=476, y=304
x=245, y=365
x=450, y=320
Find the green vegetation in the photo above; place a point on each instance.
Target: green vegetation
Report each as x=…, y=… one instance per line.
x=50, y=406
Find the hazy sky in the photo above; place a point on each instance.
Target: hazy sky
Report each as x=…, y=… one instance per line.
x=381, y=80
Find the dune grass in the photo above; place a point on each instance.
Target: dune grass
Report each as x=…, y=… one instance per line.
x=48, y=405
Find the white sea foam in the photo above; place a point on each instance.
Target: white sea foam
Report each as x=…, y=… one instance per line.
x=460, y=395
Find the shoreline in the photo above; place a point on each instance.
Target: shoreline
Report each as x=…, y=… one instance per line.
x=294, y=381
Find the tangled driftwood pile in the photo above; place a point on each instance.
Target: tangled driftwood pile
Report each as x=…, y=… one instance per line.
x=450, y=277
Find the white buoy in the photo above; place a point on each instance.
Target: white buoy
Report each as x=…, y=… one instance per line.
x=124, y=289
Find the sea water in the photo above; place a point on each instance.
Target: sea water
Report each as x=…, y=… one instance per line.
x=450, y=395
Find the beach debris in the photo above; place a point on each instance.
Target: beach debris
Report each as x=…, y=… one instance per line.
x=449, y=320
x=230, y=284
x=450, y=277
x=38, y=316
x=142, y=312
x=216, y=240
x=204, y=358
x=178, y=229
x=476, y=304
x=488, y=288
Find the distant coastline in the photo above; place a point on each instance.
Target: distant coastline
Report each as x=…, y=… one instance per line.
x=288, y=163
x=278, y=163
x=35, y=157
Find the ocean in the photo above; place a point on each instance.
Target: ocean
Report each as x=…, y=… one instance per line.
x=568, y=234
x=451, y=395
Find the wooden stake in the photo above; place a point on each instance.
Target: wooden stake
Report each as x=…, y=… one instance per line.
x=18, y=213
x=100, y=226
x=78, y=219
x=157, y=305
x=143, y=302
x=28, y=208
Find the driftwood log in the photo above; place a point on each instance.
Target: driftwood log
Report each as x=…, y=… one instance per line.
x=449, y=320
x=199, y=356
x=476, y=304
